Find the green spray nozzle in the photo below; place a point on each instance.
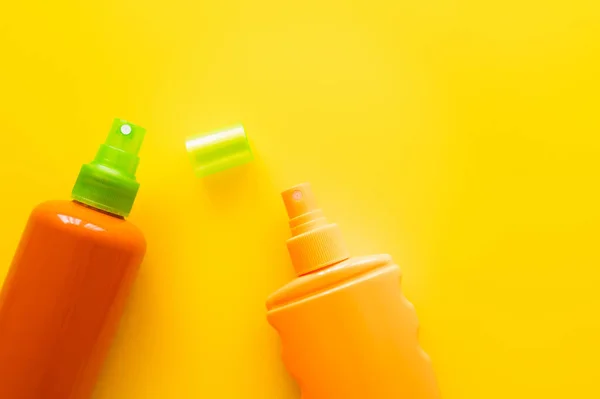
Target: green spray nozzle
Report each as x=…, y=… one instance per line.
x=108, y=183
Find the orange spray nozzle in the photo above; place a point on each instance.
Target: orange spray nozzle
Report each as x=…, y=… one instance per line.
x=299, y=200
x=302, y=209
x=315, y=243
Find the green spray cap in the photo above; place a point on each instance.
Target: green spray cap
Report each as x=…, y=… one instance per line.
x=108, y=182
x=219, y=150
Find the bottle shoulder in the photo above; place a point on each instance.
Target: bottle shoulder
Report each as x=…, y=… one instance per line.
x=327, y=277
x=79, y=220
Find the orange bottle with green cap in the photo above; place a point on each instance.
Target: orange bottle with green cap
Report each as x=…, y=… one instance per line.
x=65, y=290
x=347, y=331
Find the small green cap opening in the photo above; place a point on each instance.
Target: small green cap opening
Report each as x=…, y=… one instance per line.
x=108, y=183
x=216, y=151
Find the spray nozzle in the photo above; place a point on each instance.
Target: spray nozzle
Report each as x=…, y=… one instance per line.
x=108, y=182
x=125, y=136
x=302, y=209
x=315, y=243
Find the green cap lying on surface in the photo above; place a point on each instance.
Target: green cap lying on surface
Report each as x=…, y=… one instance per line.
x=219, y=150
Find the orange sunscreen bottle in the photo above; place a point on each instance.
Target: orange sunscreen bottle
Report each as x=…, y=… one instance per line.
x=67, y=284
x=346, y=329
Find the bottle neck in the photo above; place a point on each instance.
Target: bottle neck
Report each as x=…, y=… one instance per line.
x=99, y=210
x=316, y=246
x=320, y=269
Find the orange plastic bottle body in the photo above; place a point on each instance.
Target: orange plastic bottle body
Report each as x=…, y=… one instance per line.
x=347, y=331
x=62, y=300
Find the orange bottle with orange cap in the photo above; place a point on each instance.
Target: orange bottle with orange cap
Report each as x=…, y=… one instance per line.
x=346, y=329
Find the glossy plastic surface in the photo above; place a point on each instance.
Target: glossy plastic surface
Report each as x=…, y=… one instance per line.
x=219, y=150
x=62, y=300
x=347, y=331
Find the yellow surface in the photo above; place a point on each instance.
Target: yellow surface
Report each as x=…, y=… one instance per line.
x=460, y=136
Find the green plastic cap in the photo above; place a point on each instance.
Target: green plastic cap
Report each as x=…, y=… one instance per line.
x=108, y=182
x=216, y=151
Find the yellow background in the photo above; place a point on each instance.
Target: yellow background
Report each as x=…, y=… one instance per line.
x=462, y=137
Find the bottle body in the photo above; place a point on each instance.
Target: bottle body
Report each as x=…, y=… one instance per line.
x=62, y=299
x=347, y=331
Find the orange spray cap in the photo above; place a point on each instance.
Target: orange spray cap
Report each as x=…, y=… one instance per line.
x=315, y=243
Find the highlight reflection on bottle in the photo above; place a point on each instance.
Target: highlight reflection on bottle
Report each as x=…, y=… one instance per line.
x=346, y=329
